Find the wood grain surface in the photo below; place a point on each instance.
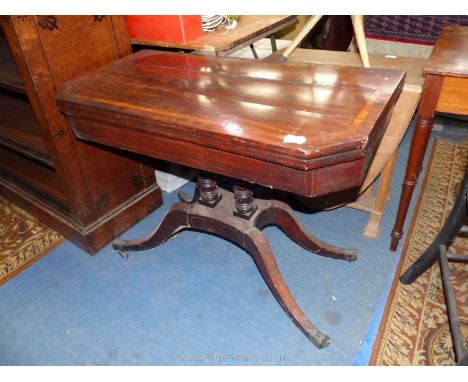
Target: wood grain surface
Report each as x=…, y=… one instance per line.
x=450, y=54
x=87, y=193
x=414, y=79
x=249, y=27
x=298, y=116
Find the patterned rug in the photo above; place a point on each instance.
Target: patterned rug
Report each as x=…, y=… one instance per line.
x=23, y=240
x=413, y=29
x=414, y=329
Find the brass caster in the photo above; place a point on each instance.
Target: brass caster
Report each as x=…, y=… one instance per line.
x=123, y=253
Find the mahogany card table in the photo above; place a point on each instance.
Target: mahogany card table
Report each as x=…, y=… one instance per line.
x=302, y=128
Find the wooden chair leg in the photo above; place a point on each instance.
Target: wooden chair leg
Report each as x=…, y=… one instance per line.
x=301, y=36
x=368, y=194
x=419, y=142
x=358, y=26
x=372, y=230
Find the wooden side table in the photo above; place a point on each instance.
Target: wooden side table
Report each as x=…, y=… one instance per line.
x=249, y=29
x=446, y=91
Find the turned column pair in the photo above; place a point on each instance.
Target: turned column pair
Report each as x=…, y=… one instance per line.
x=206, y=193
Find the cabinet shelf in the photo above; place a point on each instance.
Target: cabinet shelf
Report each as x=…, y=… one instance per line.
x=88, y=194
x=9, y=77
x=31, y=175
x=19, y=130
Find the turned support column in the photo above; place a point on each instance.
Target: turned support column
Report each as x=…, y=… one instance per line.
x=422, y=132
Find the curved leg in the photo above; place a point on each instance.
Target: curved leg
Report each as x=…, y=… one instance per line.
x=223, y=223
x=281, y=215
x=257, y=245
x=175, y=218
x=448, y=232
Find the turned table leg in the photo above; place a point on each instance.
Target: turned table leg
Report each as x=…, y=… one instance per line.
x=422, y=132
x=239, y=218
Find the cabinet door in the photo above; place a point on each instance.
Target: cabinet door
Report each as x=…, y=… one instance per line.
x=25, y=162
x=55, y=49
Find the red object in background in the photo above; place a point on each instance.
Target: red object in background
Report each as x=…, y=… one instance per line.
x=164, y=28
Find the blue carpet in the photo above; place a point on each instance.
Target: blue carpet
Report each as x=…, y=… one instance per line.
x=199, y=300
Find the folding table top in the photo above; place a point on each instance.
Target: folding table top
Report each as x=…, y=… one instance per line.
x=301, y=116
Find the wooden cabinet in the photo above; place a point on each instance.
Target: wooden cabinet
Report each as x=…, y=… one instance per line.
x=88, y=193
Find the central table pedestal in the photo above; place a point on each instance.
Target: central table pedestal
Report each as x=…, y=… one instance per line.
x=239, y=218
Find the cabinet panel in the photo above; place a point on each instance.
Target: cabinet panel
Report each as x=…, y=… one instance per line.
x=453, y=96
x=34, y=177
x=88, y=193
x=19, y=130
x=9, y=76
x=113, y=176
x=76, y=46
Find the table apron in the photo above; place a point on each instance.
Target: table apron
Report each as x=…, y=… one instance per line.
x=453, y=96
x=311, y=183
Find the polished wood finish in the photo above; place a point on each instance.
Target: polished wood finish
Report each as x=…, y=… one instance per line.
x=302, y=128
x=444, y=91
x=247, y=234
x=249, y=29
x=453, y=96
x=19, y=130
x=88, y=193
x=414, y=79
x=368, y=199
x=9, y=76
x=449, y=56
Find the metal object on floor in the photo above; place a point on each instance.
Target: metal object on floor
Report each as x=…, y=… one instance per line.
x=460, y=352
x=254, y=52
x=274, y=48
x=449, y=231
x=438, y=250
